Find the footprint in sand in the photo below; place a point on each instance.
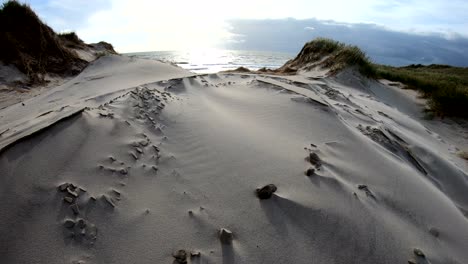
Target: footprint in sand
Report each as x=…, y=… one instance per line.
x=79, y=229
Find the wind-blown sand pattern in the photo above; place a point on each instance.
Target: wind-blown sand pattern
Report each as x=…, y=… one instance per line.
x=141, y=162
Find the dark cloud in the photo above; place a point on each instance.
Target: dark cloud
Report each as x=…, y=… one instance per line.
x=382, y=45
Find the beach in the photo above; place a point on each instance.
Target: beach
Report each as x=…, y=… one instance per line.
x=139, y=161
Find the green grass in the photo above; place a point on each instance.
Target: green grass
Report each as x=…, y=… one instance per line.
x=352, y=55
x=317, y=48
x=445, y=87
x=337, y=56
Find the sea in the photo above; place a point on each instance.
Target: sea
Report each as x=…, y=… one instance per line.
x=215, y=60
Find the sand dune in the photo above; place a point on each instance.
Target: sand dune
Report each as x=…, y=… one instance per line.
x=155, y=165
x=101, y=81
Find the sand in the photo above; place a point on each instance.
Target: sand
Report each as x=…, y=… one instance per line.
x=136, y=161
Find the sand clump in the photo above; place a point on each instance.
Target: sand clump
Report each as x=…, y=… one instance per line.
x=266, y=191
x=180, y=256
x=315, y=160
x=310, y=172
x=77, y=228
x=225, y=236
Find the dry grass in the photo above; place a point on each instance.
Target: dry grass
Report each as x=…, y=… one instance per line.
x=282, y=72
x=71, y=40
x=32, y=46
x=240, y=69
x=463, y=155
x=330, y=54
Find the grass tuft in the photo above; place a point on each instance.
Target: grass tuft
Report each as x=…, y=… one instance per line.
x=331, y=54
x=240, y=69
x=71, y=40
x=463, y=155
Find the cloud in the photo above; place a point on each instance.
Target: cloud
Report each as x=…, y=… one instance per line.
x=150, y=25
x=380, y=43
x=309, y=28
x=140, y=25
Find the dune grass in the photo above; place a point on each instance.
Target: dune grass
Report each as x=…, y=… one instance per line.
x=445, y=87
x=463, y=155
x=32, y=46
x=70, y=36
x=71, y=40
x=352, y=55
x=334, y=55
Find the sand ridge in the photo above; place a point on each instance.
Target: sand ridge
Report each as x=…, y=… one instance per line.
x=104, y=79
x=167, y=171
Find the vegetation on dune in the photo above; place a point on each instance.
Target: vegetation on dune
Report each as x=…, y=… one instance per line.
x=463, y=155
x=103, y=47
x=71, y=40
x=348, y=56
x=32, y=46
x=330, y=54
x=445, y=87
x=239, y=69
x=35, y=49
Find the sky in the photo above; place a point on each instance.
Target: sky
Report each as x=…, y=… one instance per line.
x=382, y=45
x=148, y=25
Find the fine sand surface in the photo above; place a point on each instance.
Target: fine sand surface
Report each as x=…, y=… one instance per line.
x=152, y=160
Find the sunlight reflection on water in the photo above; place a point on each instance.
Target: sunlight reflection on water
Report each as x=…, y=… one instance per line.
x=215, y=60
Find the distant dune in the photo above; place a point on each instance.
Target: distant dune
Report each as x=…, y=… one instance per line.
x=445, y=87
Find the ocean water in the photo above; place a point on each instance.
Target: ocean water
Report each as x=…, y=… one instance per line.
x=210, y=61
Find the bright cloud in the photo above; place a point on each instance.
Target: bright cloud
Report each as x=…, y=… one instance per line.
x=144, y=24
x=138, y=25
